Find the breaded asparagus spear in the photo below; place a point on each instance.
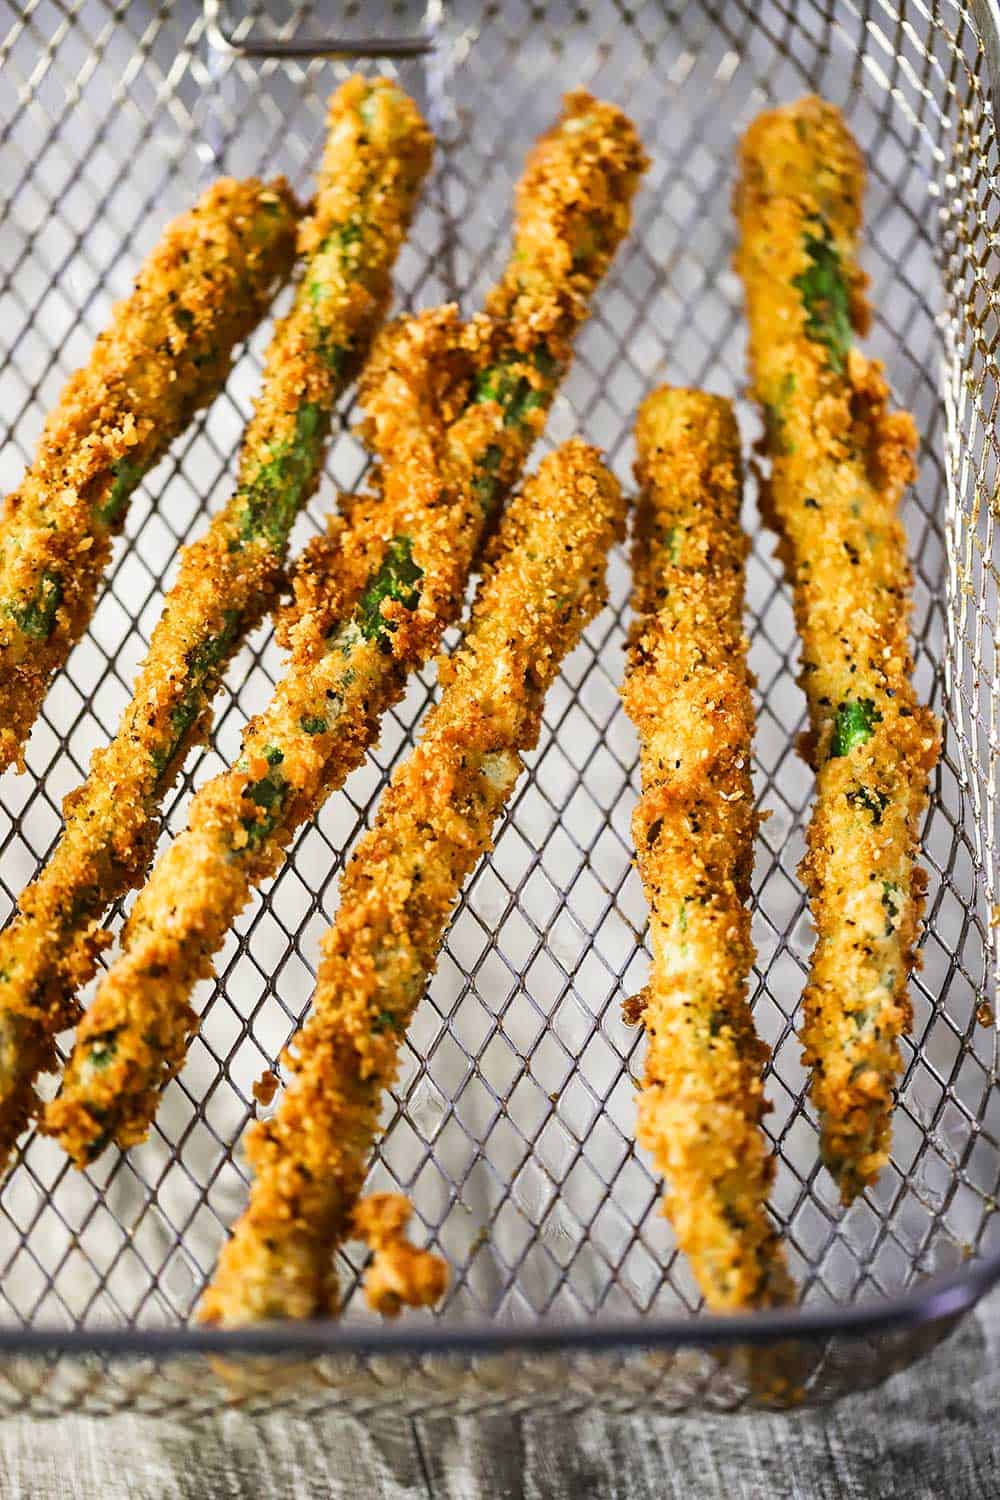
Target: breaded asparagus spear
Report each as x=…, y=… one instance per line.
x=453, y=413
x=840, y=461
x=167, y=352
x=377, y=153
x=545, y=581
x=688, y=692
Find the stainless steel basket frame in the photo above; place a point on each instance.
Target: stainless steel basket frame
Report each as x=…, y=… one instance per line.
x=245, y=92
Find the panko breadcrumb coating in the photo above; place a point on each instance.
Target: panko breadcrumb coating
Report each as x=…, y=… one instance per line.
x=167, y=352
x=452, y=413
x=377, y=153
x=399, y=1275
x=840, y=462
x=545, y=581
x=688, y=692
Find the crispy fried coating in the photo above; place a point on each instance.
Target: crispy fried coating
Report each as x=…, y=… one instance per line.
x=166, y=353
x=545, y=581
x=840, y=461
x=453, y=412
x=377, y=153
x=688, y=692
x=400, y=1275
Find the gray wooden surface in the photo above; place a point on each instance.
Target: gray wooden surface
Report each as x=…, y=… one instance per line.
x=933, y=1432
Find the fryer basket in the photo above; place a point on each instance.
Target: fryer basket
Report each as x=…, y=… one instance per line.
x=511, y=1125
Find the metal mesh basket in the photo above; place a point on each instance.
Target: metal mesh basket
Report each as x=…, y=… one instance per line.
x=512, y=1123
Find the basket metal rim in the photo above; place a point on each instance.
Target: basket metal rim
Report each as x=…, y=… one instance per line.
x=939, y=1299
x=339, y=48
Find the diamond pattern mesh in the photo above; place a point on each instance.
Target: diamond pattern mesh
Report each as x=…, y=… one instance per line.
x=511, y=1125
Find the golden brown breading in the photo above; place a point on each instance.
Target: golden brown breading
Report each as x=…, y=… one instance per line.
x=546, y=580
x=453, y=412
x=167, y=352
x=399, y=1274
x=688, y=692
x=377, y=153
x=840, y=461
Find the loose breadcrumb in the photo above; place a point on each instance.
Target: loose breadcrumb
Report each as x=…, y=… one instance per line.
x=452, y=414
x=688, y=692
x=399, y=1275
x=544, y=582
x=840, y=461
x=377, y=153
x=167, y=352
x=265, y=1087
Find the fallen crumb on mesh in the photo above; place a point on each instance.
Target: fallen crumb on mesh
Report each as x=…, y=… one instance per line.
x=633, y=1007
x=400, y=1275
x=265, y=1087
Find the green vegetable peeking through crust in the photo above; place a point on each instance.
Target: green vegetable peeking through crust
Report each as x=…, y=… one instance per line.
x=853, y=724
x=486, y=481
x=127, y=476
x=397, y=579
x=873, y=802
x=514, y=393
x=892, y=900
x=369, y=180
x=102, y=1050
x=37, y=617
x=774, y=416
x=268, y=794
x=204, y=663
x=273, y=496
x=826, y=299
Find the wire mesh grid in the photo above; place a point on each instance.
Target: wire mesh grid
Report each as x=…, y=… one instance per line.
x=511, y=1126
